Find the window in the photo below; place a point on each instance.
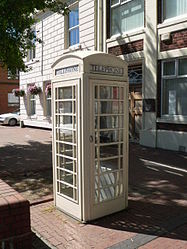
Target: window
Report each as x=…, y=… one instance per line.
x=48, y=99
x=32, y=105
x=12, y=76
x=126, y=15
x=48, y=105
x=135, y=74
x=73, y=26
x=173, y=8
x=12, y=100
x=31, y=54
x=174, y=87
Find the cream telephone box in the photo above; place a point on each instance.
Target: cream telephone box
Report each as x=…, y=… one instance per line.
x=90, y=134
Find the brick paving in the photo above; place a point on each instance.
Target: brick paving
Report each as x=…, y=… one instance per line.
x=155, y=218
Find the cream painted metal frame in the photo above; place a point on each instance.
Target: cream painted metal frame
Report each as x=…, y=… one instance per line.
x=76, y=70
x=72, y=158
x=110, y=180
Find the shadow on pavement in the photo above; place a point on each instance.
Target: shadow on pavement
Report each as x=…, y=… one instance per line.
x=157, y=191
x=28, y=169
x=157, y=195
x=37, y=243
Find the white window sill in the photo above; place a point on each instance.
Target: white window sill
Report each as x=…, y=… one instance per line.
x=126, y=35
x=33, y=117
x=173, y=119
x=31, y=62
x=172, y=21
x=47, y=117
x=73, y=48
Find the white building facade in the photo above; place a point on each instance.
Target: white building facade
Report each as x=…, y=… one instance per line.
x=150, y=35
x=59, y=35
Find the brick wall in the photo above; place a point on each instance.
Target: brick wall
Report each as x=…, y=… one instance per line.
x=178, y=40
x=6, y=86
x=127, y=48
x=15, y=230
x=4, y=76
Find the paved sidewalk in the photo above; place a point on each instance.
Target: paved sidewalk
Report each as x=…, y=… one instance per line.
x=157, y=212
x=26, y=161
x=156, y=216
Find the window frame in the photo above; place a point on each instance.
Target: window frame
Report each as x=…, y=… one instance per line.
x=171, y=18
x=12, y=103
x=11, y=77
x=47, y=110
x=166, y=77
x=32, y=98
x=122, y=2
x=31, y=53
x=74, y=6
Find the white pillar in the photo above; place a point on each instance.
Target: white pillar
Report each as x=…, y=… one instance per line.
x=148, y=134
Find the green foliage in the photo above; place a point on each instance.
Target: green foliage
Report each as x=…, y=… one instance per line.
x=16, y=33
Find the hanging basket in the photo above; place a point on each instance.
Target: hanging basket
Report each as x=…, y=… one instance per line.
x=18, y=92
x=34, y=90
x=48, y=90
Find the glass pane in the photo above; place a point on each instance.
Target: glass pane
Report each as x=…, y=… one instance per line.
x=96, y=107
x=66, y=163
x=115, y=93
x=96, y=122
x=127, y=16
x=113, y=2
x=65, y=107
x=109, y=165
x=96, y=92
x=121, y=163
x=110, y=178
x=135, y=74
x=65, y=177
x=96, y=196
x=108, y=122
x=169, y=68
x=183, y=66
x=111, y=107
x=66, y=190
x=65, y=135
x=33, y=107
x=110, y=136
x=105, y=92
x=174, y=97
x=65, y=93
x=66, y=150
x=173, y=8
x=49, y=107
x=109, y=151
x=107, y=193
x=65, y=121
x=74, y=36
x=74, y=17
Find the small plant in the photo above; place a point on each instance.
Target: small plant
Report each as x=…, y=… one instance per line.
x=48, y=90
x=34, y=90
x=18, y=92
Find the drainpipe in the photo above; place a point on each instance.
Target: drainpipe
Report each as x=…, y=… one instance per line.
x=42, y=51
x=104, y=25
x=99, y=25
